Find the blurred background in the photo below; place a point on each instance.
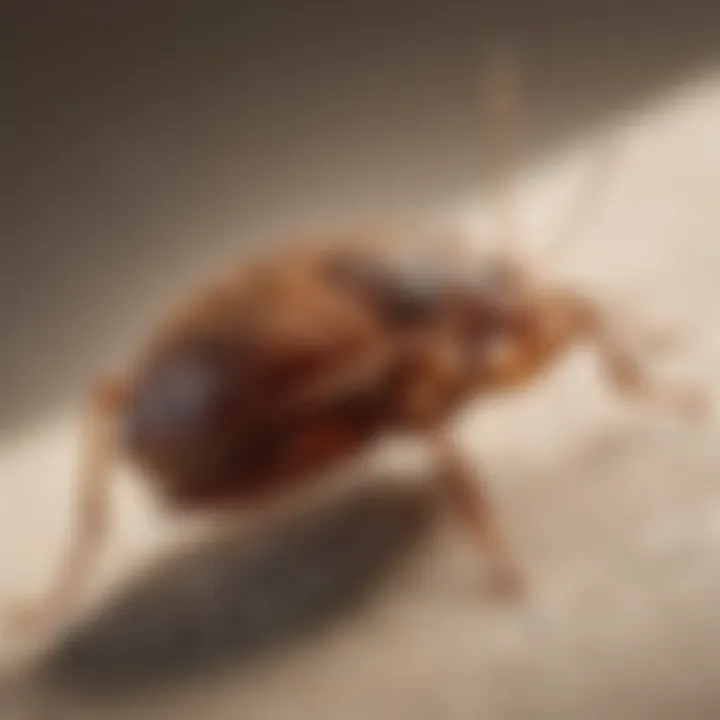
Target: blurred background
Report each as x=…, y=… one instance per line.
x=144, y=144
x=147, y=144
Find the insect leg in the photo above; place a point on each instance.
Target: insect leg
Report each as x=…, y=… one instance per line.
x=625, y=372
x=92, y=510
x=470, y=502
x=630, y=378
x=425, y=406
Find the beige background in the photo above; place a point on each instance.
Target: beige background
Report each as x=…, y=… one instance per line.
x=614, y=509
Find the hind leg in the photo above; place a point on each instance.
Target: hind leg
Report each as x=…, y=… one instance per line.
x=92, y=512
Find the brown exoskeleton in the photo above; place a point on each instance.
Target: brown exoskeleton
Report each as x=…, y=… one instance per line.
x=303, y=357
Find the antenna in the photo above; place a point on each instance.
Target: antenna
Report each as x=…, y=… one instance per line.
x=501, y=107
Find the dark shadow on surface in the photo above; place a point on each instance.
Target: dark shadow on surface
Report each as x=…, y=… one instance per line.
x=144, y=143
x=229, y=601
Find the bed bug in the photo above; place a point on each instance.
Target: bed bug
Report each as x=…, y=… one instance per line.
x=307, y=354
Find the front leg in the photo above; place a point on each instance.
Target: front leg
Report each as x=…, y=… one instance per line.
x=626, y=373
x=563, y=319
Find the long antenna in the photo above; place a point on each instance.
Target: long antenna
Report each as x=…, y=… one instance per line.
x=501, y=105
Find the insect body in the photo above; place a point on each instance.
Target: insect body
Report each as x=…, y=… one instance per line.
x=305, y=372
x=304, y=357
x=268, y=378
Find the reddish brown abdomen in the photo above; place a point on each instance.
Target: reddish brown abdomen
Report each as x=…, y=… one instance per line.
x=266, y=459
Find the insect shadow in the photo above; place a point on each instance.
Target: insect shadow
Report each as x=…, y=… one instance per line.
x=229, y=601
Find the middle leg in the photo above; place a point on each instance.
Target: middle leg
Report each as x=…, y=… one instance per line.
x=469, y=499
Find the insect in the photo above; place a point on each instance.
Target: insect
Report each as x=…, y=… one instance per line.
x=305, y=355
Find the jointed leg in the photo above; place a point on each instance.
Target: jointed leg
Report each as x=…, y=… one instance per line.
x=629, y=378
x=470, y=503
x=579, y=318
x=93, y=511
